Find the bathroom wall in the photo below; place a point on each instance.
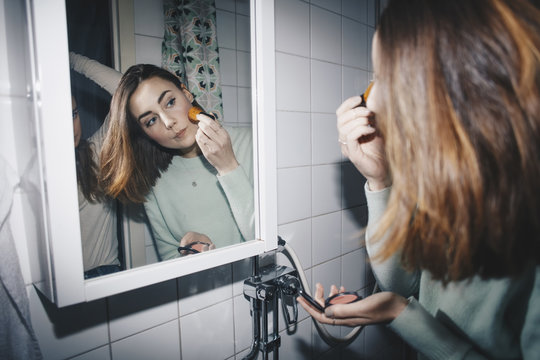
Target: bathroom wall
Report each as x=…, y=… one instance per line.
x=322, y=57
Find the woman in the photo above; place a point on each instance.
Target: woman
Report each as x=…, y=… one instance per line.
x=96, y=211
x=450, y=146
x=195, y=179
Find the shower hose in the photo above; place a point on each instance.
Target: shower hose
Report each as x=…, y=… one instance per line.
x=321, y=329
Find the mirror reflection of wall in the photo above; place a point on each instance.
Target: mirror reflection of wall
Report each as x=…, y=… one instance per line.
x=233, y=32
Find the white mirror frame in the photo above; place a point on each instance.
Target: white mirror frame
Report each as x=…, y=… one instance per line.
x=60, y=259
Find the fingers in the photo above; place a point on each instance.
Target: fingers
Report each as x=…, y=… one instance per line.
x=348, y=104
x=211, y=128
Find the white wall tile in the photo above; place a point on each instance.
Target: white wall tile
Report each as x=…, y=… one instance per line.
x=147, y=50
x=69, y=331
x=226, y=29
x=355, y=9
x=327, y=274
x=292, y=27
x=102, y=353
x=241, y=271
x=245, y=112
x=355, y=82
x=325, y=146
x=298, y=345
x=243, y=327
x=229, y=5
x=352, y=183
x=243, y=40
x=294, y=194
x=204, y=288
x=162, y=341
x=148, y=17
x=326, y=193
x=242, y=7
x=208, y=334
x=354, y=224
x=227, y=66
x=371, y=13
x=353, y=270
x=293, y=139
x=325, y=35
x=141, y=309
x=14, y=77
x=331, y=5
x=355, y=41
x=325, y=87
x=230, y=104
x=243, y=68
x=292, y=82
x=354, y=350
x=298, y=236
x=326, y=237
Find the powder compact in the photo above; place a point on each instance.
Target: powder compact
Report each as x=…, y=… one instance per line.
x=343, y=298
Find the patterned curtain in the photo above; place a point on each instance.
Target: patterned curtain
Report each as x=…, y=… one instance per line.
x=190, y=50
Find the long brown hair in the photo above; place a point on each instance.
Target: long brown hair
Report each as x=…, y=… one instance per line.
x=87, y=172
x=459, y=83
x=130, y=161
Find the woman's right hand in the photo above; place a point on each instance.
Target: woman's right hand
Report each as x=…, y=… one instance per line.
x=196, y=241
x=361, y=142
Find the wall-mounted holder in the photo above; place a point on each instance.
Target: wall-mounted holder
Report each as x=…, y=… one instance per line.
x=263, y=290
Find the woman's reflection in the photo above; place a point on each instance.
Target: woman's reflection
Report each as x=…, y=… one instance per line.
x=195, y=178
x=97, y=211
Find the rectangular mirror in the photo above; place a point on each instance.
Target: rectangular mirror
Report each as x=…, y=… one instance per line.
x=249, y=51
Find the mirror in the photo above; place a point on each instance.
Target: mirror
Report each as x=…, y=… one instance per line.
x=63, y=267
x=208, y=46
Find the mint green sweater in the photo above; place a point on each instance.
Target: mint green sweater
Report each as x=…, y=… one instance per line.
x=473, y=319
x=190, y=196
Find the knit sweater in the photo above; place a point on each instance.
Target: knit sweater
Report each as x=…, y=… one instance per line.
x=191, y=196
x=470, y=319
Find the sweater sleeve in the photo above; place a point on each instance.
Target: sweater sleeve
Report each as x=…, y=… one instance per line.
x=429, y=336
x=530, y=334
x=106, y=77
x=389, y=273
x=238, y=184
x=239, y=192
x=165, y=241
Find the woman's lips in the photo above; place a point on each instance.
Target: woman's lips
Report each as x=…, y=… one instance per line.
x=180, y=134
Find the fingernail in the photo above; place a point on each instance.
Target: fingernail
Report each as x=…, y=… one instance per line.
x=329, y=312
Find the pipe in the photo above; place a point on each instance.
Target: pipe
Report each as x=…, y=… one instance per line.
x=255, y=316
x=327, y=337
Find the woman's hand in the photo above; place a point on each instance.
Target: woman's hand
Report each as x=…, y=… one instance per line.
x=195, y=241
x=378, y=308
x=361, y=142
x=215, y=144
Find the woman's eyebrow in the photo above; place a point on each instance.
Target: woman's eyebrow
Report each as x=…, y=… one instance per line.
x=162, y=95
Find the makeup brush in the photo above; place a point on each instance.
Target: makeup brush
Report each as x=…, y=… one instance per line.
x=196, y=110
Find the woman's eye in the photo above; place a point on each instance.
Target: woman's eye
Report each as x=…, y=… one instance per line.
x=171, y=102
x=150, y=122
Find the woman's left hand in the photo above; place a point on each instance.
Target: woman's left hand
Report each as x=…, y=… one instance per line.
x=378, y=308
x=215, y=144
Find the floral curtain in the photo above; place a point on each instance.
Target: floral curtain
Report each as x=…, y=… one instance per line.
x=190, y=49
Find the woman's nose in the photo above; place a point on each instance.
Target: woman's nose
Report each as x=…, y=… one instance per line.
x=169, y=121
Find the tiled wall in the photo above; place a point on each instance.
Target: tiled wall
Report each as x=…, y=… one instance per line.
x=322, y=57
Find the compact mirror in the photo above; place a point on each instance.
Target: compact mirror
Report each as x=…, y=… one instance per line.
x=117, y=34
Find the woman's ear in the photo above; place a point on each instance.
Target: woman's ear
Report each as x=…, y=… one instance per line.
x=187, y=93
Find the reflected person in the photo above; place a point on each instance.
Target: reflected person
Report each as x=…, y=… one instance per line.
x=450, y=146
x=97, y=211
x=194, y=178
